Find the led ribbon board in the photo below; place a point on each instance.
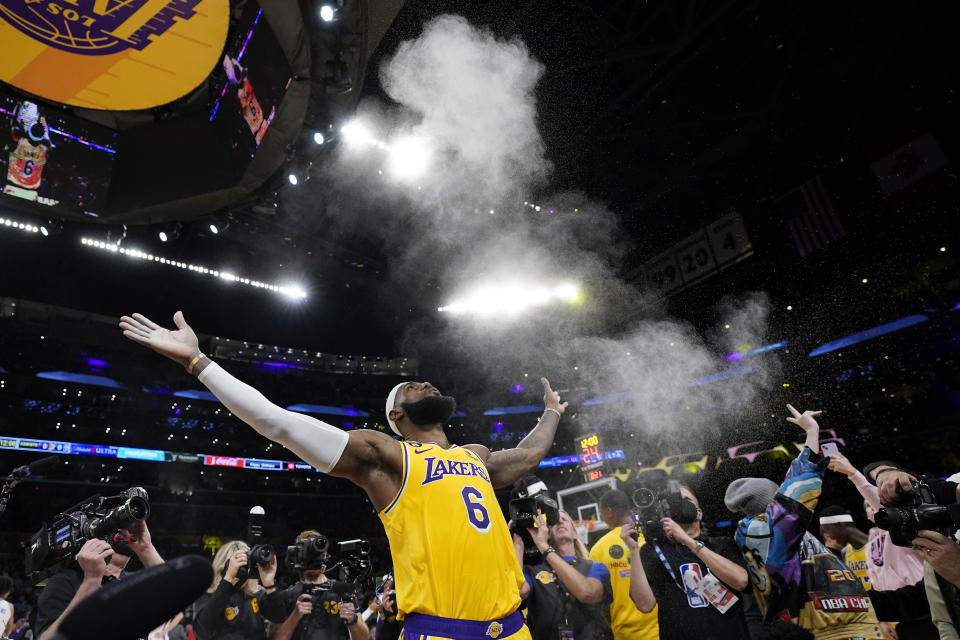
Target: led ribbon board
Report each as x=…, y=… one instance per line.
x=111, y=54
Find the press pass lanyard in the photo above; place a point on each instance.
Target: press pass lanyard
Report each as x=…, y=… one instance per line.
x=666, y=565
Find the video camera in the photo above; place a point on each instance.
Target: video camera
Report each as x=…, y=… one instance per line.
x=918, y=510
x=259, y=553
x=652, y=508
x=353, y=561
x=531, y=499
x=97, y=517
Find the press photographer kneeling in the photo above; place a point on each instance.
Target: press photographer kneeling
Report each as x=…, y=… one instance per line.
x=84, y=546
x=564, y=589
x=316, y=607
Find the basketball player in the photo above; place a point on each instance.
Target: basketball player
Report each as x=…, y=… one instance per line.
x=249, y=105
x=457, y=574
x=31, y=139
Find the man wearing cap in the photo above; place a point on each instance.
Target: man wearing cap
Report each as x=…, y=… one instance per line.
x=794, y=575
x=455, y=564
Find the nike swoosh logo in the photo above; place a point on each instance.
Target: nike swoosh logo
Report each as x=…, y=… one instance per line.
x=420, y=452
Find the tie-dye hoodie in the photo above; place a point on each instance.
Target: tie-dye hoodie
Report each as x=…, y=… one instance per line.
x=794, y=575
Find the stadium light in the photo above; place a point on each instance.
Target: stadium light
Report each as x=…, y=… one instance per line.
x=214, y=229
x=163, y=236
x=511, y=299
x=292, y=179
x=291, y=291
x=22, y=226
x=328, y=13
x=318, y=138
x=409, y=157
x=354, y=132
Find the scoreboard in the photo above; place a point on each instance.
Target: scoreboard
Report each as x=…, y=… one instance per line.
x=591, y=456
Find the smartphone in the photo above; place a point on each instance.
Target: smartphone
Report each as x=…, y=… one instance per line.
x=829, y=449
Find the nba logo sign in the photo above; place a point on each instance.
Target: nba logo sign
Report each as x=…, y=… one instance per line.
x=690, y=574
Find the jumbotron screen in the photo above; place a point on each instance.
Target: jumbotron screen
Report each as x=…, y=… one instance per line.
x=54, y=159
x=250, y=83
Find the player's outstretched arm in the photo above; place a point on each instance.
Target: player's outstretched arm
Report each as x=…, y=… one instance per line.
x=368, y=458
x=509, y=465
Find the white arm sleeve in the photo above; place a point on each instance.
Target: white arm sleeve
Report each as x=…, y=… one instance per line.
x=315, y=442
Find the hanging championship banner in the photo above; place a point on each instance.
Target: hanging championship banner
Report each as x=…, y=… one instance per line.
x=111, y=54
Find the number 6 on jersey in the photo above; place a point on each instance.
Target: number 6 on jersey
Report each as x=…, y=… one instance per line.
x=476, y=512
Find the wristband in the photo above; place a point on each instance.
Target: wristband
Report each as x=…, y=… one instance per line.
x=554, y=410
x=698, y=546
x=193, y=363
x=548, y=551
x=268, y=586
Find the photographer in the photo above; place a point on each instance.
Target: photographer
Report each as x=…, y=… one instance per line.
x=388, y=627
x=230, y=610
x=314, y=602
x=693, y=581
x=895, y=484
x=793, y=573
x=96, y=561
x=565, y=590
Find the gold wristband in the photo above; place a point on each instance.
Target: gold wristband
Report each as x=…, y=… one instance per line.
x=193, y=363
x=552, y=409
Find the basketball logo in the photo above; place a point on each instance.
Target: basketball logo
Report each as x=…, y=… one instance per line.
x=545, y=577
x=494, y=630
x=95, y=27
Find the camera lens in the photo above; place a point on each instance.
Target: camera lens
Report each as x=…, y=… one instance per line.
x=643, y=498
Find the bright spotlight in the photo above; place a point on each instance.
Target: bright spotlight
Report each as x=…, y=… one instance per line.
x=327, y=13
x=44, y=231
x=511, y=299
x=163, y=236
x=409, y=158
x=292, y=178
x=355, y=133
x=213, y=229
x=294, y=292
x=318, y=138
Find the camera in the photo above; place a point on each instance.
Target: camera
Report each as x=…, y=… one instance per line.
x=353, y=562
x=96, y=517
x=652, y=508
x=918, y=510
x=259, y=553
x=340, y=591
x=307, y=554
x=523, y=512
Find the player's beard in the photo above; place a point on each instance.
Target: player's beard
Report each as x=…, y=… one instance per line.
x=430, y=410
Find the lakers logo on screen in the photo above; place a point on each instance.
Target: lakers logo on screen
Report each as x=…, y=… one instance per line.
x=111, y=54
x=95, y=27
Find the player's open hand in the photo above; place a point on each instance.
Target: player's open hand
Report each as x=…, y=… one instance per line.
x=181, y=345
x=551, y=399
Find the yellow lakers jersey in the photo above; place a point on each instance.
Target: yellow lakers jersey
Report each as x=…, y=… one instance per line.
x=625, y=619
x=453, y=555
x=856, y=560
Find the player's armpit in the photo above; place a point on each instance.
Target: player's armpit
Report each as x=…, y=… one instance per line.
x=374, y=461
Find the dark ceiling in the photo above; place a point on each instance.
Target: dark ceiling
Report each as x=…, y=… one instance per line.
x=673, y=113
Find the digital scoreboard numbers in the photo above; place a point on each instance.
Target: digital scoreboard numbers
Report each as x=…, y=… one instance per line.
x=591, y=456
